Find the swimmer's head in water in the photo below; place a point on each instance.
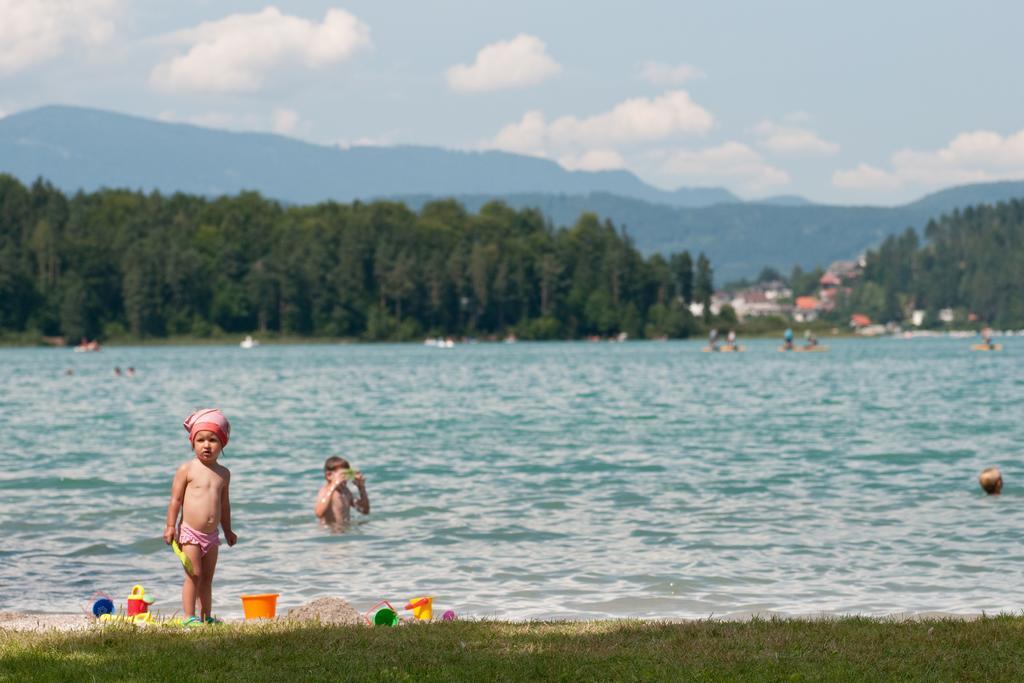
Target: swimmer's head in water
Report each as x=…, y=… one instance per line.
x=991, y=480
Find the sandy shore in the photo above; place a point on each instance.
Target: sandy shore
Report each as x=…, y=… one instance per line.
x=324, y=610
x=19, y=621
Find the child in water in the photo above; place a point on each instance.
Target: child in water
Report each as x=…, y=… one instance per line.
x=200, y=494
x=334, y=500
x=991, y=480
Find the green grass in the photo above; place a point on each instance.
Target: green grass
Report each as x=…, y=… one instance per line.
x=989, y=648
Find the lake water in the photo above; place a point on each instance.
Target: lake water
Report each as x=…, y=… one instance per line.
x=566, y=480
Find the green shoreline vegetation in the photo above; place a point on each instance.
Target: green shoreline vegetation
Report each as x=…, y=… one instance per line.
x=116, y=264
x=848, y=648
x=133, y=268
x=971, y=264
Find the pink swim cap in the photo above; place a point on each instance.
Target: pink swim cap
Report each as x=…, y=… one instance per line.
x=210, y=419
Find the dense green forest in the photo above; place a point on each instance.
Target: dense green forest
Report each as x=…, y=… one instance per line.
x=122, y=264
x=972, y=261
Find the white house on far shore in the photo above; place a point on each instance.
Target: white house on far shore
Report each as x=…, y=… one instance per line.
x=762, y=299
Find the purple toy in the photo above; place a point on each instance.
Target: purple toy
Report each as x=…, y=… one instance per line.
x=449, y=615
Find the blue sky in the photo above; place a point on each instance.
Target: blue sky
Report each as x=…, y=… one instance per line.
x=873, y=102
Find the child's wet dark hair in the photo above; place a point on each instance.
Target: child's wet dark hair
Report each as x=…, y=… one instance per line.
x=334, y=462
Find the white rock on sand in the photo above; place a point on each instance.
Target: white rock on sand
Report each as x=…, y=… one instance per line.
x=326, y=611
x=19, y=621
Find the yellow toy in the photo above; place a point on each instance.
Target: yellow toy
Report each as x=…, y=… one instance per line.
x=185, y=562
x=422, y=608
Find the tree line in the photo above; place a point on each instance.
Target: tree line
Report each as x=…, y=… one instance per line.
x=119, y=263
x=972, y=261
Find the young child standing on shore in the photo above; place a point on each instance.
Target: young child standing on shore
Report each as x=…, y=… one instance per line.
x=199, y=494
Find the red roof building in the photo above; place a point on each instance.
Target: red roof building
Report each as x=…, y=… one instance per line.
x=859, y=320
x=807, y=303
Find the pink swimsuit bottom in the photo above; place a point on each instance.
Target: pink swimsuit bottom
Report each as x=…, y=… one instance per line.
x=188, y=535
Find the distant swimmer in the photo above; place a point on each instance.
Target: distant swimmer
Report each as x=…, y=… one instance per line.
x=991, y=479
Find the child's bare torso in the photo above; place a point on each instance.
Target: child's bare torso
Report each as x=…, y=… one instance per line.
x=204, y=489
x=339, y=509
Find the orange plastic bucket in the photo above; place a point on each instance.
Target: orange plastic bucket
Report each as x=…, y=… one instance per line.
x=263, y=606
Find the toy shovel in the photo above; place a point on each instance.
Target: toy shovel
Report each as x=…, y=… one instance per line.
x=185, y=562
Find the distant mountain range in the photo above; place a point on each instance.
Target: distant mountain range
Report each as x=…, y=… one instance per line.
x=76, y=148
x=740, y=239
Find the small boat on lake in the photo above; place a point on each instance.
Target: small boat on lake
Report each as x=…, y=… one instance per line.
x=86, y=346
x=986, y=341
x=248, y=342
x=440, y=343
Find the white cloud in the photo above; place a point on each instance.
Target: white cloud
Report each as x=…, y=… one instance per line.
x=514, y=63
x=236, y=53
x=33, y=31
x=865, y=177
x=639, y=118
x=612, y=139
x=285, y=120
x=635, y=120
x=662, y=74
x=593, y=160
x=528, y=136
x=731, y=162
x=973, y=157
x=791, y=139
